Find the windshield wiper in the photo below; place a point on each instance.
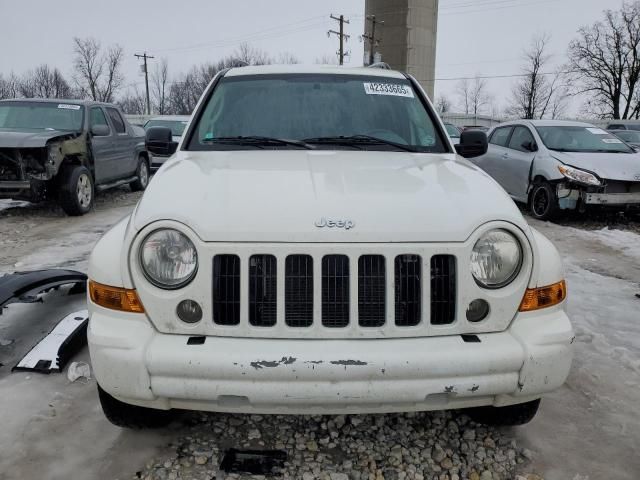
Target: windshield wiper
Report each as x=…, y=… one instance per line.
x=358, y=141
x=257, y=141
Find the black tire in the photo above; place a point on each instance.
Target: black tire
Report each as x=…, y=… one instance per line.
x=76, y=191
x=511, y=415
x=142, y=172
x=131, y=416
x=543, y=202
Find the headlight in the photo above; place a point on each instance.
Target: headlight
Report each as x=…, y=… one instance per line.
x=578, y=175
x=496, y=259
x=168, y=258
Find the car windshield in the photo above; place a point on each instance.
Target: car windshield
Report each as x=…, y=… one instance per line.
x=41, y=116
x=321, y=110
x=565, y=138
x=630, y=136
x=177, y=126
x=452, y=130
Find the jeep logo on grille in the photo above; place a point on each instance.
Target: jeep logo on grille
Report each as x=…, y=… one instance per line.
x=331, y=223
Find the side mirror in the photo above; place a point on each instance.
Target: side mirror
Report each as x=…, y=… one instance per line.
x=159, y=141
x=100, y=131
x=530, y=146
x=473, y=143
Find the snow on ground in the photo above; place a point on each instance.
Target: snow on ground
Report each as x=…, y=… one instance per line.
x=6, y=204
x=588, y=429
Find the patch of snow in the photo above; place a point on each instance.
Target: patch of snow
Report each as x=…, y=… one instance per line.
x=625, y=241
x=6, y=204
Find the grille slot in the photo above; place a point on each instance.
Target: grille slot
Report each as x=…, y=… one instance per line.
x=262, y=290
x=408, y=291
x=443, y=289
x=371, y=290
x=226, y=289
x=298, y=291
x=335, y=291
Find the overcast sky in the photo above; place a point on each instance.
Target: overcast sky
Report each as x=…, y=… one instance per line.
x=483, y=37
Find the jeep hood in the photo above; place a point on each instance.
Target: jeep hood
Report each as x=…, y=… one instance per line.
x=611, y=166
x=280, y=195
x=14, y=138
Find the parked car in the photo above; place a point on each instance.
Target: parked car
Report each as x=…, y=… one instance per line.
x=453, y=132
x=631, y=137
x=177, y=125
x=64, y=150
x=316, y=245
x=557, y=165
x=624, y=125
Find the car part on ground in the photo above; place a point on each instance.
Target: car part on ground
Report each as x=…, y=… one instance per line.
x=53, y=352
x=254, y=462
x=24, y=287
x=66, y=150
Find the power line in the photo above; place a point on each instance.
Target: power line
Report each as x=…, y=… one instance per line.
x=341, y=35
x=371, y=37
x=146, y=77
x=512, y=75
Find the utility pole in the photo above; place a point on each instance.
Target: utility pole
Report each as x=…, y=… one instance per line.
x=341, y=35
x=373, y=41
x=146, y=77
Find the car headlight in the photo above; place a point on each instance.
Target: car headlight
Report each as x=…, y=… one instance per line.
x=496, y=259
x=169, y=259
x=578, y=175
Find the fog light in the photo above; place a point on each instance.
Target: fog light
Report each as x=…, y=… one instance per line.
x=478, y=310
x=189, y=311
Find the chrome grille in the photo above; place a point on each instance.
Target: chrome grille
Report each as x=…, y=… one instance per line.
x=371, y=290
x=443, y=289
x=262, y=290
x=226, y=289
x=335, y=291
x=298, y=291
x=408, y=293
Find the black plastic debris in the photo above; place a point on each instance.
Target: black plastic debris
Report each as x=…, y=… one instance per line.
x=254, y=462
x=25, y=287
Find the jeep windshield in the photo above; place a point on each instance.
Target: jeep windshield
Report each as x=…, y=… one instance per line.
x=21, y=115
x=580, y=139
x=322, y=111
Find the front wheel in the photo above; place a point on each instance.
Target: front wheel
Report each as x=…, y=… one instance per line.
x=142, y=173
x=511, y=415
x=131, y=416
x=76, y=190
x=544, y=201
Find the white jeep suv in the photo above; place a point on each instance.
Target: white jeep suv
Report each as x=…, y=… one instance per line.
x=316, y=245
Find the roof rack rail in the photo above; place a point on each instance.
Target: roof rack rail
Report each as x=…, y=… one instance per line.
x=383, y=65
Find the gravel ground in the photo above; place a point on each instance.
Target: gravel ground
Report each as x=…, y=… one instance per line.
x=415, y=446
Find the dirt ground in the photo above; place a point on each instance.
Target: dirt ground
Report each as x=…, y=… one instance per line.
x=53, y=429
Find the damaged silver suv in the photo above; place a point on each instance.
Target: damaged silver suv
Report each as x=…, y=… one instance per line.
x=63, y=150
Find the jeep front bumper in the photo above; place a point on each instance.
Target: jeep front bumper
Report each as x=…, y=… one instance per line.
x=138, y=365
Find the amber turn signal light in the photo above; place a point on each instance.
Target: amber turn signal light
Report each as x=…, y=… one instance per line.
x=543, y=297
x=115, y=298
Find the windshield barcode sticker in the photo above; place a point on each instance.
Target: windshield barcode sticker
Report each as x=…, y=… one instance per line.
x=394, y=89
x=611, y=140
x=597, y=131
x=66, y=106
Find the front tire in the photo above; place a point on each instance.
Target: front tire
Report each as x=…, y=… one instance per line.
x=76, y=190
x=511, y=415
x=140, y=183
x=131, y=416
x=544, y=201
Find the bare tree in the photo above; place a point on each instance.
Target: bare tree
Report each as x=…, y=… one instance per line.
x=97, y=73
x=443, y=104
x=248, y=55
x=479, y=98
x=160, y=87
x=44, y=82
x=327, y=60
x=134, y=102
x=9, y=86
x=287, y=58
x=535, y=90
x=463, y=91
x=604, y=62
